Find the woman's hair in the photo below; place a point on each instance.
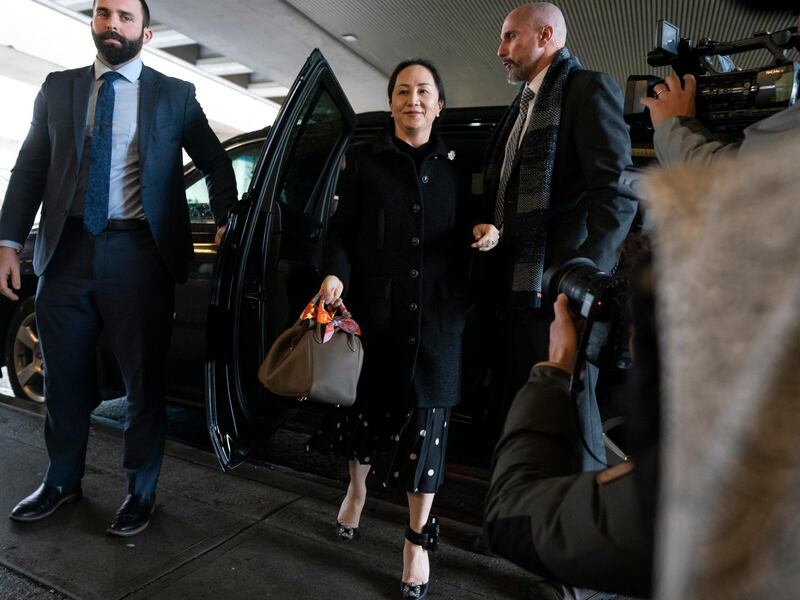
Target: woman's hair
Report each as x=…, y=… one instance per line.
x=422, y=63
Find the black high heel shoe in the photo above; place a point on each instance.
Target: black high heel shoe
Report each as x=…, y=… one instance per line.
x=345, y=533
x=428, y=539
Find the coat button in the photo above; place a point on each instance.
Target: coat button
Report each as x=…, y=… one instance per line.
x=412, y=340
x=413, y=273
x=415, y=208
x=412, y=307
x=425, y=179
x=415, y=241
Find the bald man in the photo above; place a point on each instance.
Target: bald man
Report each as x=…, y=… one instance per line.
x=550, y=183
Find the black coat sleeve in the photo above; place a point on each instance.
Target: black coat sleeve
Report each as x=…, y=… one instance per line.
x=604, y=150
x=343, y=227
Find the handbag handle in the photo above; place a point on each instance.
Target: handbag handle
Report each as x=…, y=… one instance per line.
x=315, y=310
x=316, y=315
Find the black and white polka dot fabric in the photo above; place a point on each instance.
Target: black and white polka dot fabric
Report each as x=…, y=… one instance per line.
x=405, y=451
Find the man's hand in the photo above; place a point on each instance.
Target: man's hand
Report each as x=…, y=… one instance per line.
x=218, y=236
x=673, y=99
x=331, y=290
x=486, y=237
x=563, y=337
x=9, y=268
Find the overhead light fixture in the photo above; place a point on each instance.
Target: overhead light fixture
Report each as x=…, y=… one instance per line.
x=350, y=38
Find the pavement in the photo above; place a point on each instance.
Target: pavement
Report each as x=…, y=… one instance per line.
x=263, y=531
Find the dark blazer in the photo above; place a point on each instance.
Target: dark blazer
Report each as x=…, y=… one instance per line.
x=47, y=168
x=398, y=242
x=587, y=216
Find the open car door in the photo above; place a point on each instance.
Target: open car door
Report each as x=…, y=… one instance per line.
x=269, y=262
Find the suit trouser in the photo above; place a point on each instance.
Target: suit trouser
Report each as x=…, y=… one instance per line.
x=115, y=282
x=526, y=340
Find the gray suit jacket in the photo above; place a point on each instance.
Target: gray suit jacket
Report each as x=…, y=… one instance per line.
x=46, y=172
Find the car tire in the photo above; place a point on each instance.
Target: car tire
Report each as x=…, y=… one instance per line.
x=24, y=354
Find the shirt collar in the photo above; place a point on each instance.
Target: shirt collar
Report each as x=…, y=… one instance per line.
x=131, y=70
x=536, y=83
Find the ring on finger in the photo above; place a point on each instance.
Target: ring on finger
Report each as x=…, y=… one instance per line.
x=657, y=93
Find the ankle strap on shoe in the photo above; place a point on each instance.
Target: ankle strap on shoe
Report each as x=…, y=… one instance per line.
x=429, y=538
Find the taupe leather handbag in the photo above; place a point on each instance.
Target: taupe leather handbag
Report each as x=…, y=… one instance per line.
x=319, y=358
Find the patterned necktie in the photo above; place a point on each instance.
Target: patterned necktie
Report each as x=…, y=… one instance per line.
x=95, y=210
x=512, y=145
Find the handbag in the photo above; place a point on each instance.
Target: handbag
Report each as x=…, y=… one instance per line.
x=319, y=358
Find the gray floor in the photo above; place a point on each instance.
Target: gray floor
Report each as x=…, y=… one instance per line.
x=258, y=533
x=16, y=587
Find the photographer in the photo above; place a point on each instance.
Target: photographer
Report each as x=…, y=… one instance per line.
x=680, y=138
x=579, y=529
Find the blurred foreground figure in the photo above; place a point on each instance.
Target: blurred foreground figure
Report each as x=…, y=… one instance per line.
x=726, y=250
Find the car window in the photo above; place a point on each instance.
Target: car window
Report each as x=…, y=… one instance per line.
x=318, y=128
x=243, y=159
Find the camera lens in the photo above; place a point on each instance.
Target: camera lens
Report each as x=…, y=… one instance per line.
x=588, y=289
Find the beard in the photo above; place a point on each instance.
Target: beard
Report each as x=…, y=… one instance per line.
x=514, y=75
x=116, y=55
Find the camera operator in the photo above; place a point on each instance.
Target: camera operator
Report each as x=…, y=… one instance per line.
x=579, y=529
x=680, y=138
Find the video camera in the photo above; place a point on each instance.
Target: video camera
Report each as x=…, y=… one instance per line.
x=599, y=299
x=728, y=99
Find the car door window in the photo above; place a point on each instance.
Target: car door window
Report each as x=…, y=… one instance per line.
x=243, y=159
x=315, y=134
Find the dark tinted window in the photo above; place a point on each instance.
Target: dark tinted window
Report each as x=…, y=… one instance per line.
x=310, y=148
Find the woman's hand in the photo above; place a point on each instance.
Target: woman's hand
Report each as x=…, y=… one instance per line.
x=486, y=237
x=331, y=290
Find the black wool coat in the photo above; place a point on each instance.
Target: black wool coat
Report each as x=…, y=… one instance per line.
x=398, y=241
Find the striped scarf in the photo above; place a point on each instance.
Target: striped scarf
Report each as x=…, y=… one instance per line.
x=536, y=158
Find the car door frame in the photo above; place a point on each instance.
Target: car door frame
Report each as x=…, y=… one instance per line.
x=235, y=440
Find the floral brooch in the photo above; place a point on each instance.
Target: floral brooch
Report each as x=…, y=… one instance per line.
x=451, y=155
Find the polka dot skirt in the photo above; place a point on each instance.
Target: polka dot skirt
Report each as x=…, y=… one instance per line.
x=405, y=450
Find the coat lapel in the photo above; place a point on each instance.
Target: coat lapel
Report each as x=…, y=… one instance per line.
x=148, y=100
x=81, y=91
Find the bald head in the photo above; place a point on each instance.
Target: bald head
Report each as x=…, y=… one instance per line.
x=532, y=35
x=543, y=14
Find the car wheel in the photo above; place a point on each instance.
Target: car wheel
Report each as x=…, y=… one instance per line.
x=24, y=354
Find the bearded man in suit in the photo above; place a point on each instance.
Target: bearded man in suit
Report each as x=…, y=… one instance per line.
x=551, y=181
x=103, y=160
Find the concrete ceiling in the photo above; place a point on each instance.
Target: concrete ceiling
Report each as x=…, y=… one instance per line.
x=274, y=37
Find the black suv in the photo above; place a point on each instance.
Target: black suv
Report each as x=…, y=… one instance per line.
x=240, y=296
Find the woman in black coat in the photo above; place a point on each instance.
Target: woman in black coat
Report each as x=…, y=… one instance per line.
x=397, y=244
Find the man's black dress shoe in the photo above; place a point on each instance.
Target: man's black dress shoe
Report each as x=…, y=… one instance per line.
x=134, y=515
x=44, y=502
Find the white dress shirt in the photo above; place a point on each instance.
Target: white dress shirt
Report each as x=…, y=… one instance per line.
x=124, y=200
